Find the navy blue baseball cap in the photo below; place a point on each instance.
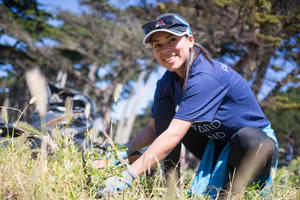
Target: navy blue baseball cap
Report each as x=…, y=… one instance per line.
x=168, y=22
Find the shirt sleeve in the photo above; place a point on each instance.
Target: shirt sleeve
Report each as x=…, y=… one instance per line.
x=201, y=99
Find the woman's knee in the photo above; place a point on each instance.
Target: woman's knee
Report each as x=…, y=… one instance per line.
x=247, y=140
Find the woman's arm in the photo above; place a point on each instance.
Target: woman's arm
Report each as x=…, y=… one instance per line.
x=162, y=146
x=145, y=137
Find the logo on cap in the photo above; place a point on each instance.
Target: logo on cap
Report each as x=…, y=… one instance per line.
x=160, y=23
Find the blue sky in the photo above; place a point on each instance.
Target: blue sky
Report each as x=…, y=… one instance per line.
x=73, y=5
x=53, y=5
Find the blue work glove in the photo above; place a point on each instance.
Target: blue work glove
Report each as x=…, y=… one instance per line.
x=118, y=183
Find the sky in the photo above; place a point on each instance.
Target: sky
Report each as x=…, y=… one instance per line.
x=53, y=5
x=74, y=6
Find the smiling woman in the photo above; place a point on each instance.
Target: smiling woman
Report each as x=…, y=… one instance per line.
x=209, y=108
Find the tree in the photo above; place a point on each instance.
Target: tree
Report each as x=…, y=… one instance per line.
x=285, y=115
x=86, y=44
x=26, y=25
x=106, y=40
x=125, y=125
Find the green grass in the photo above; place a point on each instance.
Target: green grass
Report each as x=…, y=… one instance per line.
x=64, y=175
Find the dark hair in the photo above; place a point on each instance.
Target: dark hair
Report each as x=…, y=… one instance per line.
x=195, y=51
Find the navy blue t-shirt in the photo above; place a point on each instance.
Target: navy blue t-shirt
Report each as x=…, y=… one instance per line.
x=217, y=100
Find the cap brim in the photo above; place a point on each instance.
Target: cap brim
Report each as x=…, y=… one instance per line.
x=173, y=31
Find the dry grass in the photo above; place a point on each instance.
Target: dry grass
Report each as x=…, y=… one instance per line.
x=67, y=173
x=66, y=177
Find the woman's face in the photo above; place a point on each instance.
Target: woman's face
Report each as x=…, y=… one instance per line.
x=171, y=51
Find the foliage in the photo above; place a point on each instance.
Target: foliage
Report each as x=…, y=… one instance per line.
x=102, y=41
x=285, y=117
x=289, y=175
x=26, y=26
x=31, y=19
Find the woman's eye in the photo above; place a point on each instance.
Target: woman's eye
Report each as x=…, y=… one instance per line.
x=172, y=40
x=155, y=46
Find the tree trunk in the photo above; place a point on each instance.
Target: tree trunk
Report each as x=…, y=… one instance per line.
x=248, y=63
x=61, y=78
x=125, y=126
x=92, y=77
x=123, y=120
x=261, y=72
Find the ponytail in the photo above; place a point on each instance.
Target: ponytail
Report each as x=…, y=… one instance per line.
x=195, y=51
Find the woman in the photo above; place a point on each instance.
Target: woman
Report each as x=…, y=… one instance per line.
x=206, y=106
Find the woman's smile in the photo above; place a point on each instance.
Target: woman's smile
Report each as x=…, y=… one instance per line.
x=170, y=59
